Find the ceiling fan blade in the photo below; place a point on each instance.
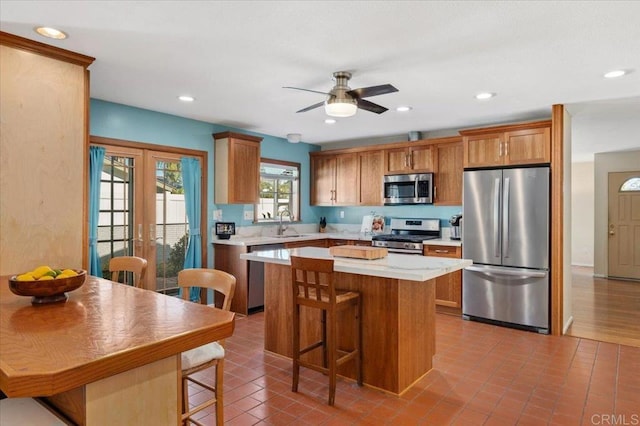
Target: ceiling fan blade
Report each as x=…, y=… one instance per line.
x=370, y=106
x=314, y=106
x=306, y=90
x=365, y=92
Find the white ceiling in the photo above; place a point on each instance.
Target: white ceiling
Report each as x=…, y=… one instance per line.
x=235, y=56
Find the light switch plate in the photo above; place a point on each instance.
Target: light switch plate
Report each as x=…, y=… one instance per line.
x=248, y=215
x=217, y=214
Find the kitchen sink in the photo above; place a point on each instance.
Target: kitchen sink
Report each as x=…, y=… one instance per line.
x=290, y=236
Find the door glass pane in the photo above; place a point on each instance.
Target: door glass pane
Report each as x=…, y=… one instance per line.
x=115, y=234
x=171, y=225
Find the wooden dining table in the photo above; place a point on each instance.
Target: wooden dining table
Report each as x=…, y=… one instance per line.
x=108, y=355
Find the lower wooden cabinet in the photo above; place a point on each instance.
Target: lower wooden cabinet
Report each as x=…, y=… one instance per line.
x=227, y=258
x=448, y=287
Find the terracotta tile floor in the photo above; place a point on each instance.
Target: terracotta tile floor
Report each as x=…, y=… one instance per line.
x=482, y=375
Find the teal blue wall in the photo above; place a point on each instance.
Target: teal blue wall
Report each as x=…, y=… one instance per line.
x=353, y=215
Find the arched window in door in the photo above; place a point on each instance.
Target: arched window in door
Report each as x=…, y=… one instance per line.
x=631, y=184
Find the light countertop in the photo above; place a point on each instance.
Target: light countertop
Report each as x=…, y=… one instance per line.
x=394, y=265
x=274, y=239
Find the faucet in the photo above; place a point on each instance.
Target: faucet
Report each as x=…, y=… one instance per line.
x=281, y=227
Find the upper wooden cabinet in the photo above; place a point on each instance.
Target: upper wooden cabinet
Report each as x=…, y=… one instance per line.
x=370, y=174
x=44, y=155
x=447, y=189
x=527, y=143
x=405, y=159
x=237, y=168
x=333, y=178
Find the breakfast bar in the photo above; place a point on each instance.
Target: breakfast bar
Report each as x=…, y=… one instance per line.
x=108, y=355
x=398, y=311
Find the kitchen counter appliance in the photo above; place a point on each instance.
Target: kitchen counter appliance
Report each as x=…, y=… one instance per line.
x=456, y=226
x=506, y=234
x=407, y=235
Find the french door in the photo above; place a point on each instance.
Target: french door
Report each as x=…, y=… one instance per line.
x=142, y=213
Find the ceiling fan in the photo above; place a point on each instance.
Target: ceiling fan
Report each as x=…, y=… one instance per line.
x=344, y=102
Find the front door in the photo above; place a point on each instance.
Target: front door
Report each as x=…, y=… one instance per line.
x=624, y=225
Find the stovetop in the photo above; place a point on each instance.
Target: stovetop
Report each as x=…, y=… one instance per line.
x=411, y=230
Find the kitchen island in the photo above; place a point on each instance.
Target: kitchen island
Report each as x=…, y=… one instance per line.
x=398, y=311
x=109, y=355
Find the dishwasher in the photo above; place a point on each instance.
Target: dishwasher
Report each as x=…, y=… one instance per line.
x=255, y=299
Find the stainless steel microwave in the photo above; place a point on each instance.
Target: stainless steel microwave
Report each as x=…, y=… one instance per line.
x=408, y=189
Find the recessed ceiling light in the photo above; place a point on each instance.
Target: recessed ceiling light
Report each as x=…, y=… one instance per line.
x=615, y=74
x=51, y=33
x=185, y=98
x=403, y=108
x=485, y=95
x=330, y=121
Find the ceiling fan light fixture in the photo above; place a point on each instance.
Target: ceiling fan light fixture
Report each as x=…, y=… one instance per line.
x=340, y=107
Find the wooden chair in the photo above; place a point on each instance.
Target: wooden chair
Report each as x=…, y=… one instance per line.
x=312, y=283
x=125, y=264
x=211, y=354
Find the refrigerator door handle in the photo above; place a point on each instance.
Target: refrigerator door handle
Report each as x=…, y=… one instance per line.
x=512, y=272
x=505, y=219
x=496, y=216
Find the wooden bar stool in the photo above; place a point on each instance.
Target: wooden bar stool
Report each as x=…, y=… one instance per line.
x=136, y=265
x=313, y=286
x=211, y=354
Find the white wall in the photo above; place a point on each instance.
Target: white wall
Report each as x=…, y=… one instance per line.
x=604, y=164
x=582, y=219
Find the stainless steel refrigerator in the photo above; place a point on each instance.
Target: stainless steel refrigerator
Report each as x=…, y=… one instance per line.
x=505, y=231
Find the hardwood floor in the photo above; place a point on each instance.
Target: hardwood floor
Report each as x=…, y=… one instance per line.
x=604, y=309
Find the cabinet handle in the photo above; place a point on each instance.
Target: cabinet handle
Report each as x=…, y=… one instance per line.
x=499, y=148
x=441, y=251
x=406, y=160
x=411, y=160
x=435, y=192
x=506, y=148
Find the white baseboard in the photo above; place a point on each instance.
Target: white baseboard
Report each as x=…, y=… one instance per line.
x=587, y=265
x=567, y=325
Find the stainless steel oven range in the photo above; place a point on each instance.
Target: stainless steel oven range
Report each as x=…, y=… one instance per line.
x=407, y=235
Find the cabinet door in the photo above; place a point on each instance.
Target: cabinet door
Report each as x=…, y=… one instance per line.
x=346, y=182
x=448, y=177
x=483, y=150
x=449, y=286
x=323, y=174
x=371, y=168
x=244, y=171
x=530, y=146
x=421, y=158
x=397, y=160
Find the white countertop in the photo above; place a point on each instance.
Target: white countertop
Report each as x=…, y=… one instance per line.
x=395, y=265
x=273, y=239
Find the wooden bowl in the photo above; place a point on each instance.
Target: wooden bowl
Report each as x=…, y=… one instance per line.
x=49, y=291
